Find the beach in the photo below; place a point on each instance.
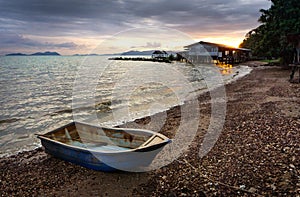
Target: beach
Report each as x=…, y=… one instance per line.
x=256, y=154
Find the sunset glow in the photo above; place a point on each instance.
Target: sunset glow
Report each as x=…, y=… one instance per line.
x=85, y=25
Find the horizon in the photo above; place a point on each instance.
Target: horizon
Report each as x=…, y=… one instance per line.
x=77, y=27
x=83, y=54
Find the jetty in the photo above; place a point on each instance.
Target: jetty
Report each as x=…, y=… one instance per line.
x=165, y=60
x=200, y=52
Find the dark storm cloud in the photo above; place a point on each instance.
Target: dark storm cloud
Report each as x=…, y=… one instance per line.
x=59, y=17
x=106, y=17
x=201, y=15
x=102, y=14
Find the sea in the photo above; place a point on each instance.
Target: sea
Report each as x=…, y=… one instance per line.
x=40, y=93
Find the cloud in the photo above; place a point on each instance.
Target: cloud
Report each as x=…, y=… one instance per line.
x=60, y=18
x=8, y=39
x=13, y=41
x=149, y=45
x=91, y=18
x=106, y=16
x=68, y=45
x=152, y=45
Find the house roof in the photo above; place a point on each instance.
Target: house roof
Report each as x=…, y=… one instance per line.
x=217, y=45
x=157, y=52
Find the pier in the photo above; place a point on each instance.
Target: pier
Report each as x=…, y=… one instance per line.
x=165, y=60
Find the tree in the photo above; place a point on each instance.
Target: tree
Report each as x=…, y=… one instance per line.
x=270, y=38
x=171, y=57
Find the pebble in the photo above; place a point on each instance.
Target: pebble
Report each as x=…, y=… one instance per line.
x=239, y=158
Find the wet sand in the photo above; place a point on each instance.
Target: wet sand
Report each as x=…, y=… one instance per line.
x=256, y=154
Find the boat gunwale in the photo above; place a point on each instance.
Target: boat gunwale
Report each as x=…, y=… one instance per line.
x=141, y=148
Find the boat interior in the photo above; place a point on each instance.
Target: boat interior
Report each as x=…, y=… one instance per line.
x=98, y=138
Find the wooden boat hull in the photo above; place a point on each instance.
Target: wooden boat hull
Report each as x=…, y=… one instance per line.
x=137, y=159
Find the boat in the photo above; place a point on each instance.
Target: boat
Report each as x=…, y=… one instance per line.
x=102, y=148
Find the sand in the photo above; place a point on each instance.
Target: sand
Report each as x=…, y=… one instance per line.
x=256, y=154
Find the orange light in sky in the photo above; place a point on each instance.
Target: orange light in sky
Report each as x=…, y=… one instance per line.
x=233, y=42
x=234, y=38
x=137, y=39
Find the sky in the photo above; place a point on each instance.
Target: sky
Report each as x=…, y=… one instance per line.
x=112, y=26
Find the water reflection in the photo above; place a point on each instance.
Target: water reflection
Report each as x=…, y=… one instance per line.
x=36, y=94
x=225, y=69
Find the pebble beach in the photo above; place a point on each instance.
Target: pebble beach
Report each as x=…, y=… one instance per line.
x=257, y=153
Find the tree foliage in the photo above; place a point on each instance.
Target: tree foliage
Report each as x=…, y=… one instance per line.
x=171, y=57
x=270, y=38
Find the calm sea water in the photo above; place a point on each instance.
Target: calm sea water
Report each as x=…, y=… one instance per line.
x=41, y=93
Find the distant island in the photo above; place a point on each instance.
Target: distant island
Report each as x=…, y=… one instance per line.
x=143, y=53
x=16, y=54
x=47, y=53
x=127, y=53
x=93, y=54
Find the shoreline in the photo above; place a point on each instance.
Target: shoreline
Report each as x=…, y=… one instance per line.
x=31, y=143
x=259, y=104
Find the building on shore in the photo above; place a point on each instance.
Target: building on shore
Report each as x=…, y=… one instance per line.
x=160, y=54
x=207, y=52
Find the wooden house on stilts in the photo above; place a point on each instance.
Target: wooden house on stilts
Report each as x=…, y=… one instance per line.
x=207, y=52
